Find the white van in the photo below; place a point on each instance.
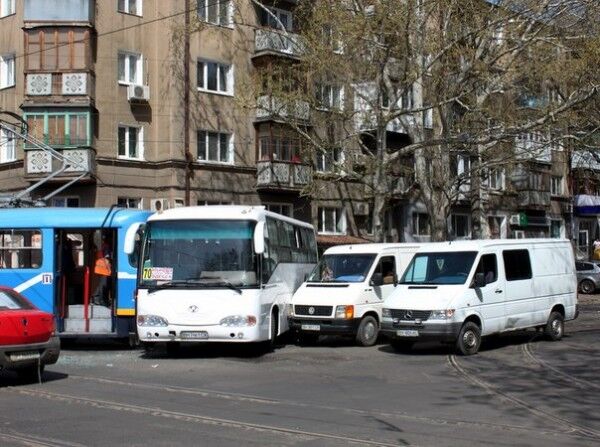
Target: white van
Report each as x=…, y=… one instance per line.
x=460, y=291
x=345, y=292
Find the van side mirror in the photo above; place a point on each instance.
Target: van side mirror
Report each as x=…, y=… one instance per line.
x=479, y=280
x=376, y=279
x=396, y=281
x=259, y=238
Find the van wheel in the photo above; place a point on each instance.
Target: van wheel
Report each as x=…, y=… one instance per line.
x=368, y=329
x=469, y=339
x=587, y=286
x=401, y=345
x=555, y=327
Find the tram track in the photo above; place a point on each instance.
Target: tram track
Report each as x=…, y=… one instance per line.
x=567, y=425
x=34, y=440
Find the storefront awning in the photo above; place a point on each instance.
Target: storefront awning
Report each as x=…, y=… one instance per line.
x=586, y=204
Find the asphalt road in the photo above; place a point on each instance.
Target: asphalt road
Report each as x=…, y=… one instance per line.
x=518, y=391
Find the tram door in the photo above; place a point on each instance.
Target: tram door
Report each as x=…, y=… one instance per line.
x=85, y=294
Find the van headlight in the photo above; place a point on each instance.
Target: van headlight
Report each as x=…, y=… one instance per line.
x=444, y=314
x=151, y=320
x=344, y=312
x=386, y=313
x=238, y=320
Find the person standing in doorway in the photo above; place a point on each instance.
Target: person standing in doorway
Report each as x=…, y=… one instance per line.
x=596, y=254
x=103, y=271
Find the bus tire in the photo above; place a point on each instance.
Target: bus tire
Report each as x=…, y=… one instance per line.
x=367, y=332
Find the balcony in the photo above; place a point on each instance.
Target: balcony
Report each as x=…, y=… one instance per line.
x=270, y=108
x=271, y=42
x=282, y=175
x=533, y=199
x=533, y=147
x=70, y=87
x=63, y=11
x=39, y=163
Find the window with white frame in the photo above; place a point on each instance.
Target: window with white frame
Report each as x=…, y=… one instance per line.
x=7, y=147
x=407, y=98
x=332, y=39
x=215, y=77
x=130, y=202
x=285, y=209
x=496, y=178
x=7, y=70
x=556, y=186
x=536, y=181
x=7, y=7
x=460, y=225
x=215, y=146
x=329, y=96
x=420, y=224
x=130, y=142
x=218, y=12
x=329, y=160
x=276, y=18
x=65, y=202
x=130, y=7
x=332, y=220
x=130, y=68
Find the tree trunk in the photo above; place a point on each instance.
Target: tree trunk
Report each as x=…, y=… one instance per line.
x=380, y=192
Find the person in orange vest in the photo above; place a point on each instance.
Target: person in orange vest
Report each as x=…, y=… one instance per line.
x=103, y=269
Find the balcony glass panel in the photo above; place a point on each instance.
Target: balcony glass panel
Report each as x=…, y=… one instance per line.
x=59, y=10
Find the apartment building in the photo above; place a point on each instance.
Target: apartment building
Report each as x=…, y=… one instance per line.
x=156, y=116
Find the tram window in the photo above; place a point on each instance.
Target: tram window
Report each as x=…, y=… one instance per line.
x=20, y=249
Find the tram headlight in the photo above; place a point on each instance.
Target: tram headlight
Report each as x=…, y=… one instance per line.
x=151, y=320
x=238, y=320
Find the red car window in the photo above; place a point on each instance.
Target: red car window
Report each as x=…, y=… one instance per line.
x=12, y=301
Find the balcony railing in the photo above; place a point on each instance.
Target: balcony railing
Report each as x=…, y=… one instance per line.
x=271, y=41
x=531, y=198
x=39, y=163
x=282, y=175
x=59, y=84
x=270, y=107
x=59, y=11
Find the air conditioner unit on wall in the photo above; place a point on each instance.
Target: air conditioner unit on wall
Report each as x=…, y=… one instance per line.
x=515, y=219
x=159, y=204
x=138, y=93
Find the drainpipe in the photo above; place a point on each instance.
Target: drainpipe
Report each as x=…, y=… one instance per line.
x=186, y=104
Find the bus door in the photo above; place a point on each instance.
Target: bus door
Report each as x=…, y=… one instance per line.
x=85, y=293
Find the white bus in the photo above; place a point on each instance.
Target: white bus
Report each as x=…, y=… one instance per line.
x=220, y=274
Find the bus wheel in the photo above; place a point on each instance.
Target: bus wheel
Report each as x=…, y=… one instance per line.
x=367, y=331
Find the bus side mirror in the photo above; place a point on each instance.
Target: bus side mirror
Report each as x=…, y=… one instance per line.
x=259, y=238
x=129, y=245
x=479, y=280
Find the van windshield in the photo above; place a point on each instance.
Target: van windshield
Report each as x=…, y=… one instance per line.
x=342, y=268
x=439, y=268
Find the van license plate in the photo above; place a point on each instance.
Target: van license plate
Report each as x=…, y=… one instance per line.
x=22, y=356
x=407, y=333
x=201, y=335
x=311, y=327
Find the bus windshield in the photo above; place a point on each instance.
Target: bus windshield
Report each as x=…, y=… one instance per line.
x=342, y=268
x=439, y=268
x=211, y=253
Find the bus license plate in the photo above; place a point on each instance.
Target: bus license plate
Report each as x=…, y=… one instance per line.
x=407, y=333
x=196, y=335
x=311, y=327
x=22, y=356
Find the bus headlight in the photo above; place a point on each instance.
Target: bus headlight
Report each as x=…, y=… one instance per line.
x=386, y=313
x=238, y=320
x=151, y=320
x=345, y=312
x=444, y=314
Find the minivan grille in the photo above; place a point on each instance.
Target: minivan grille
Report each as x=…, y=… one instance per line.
x=410, y=315
x=313, y=311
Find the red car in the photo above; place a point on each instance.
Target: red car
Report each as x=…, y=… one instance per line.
x=28, y=339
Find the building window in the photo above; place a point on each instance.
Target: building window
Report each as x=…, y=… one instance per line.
x=327, y=162
x=329, y=96
x=131, y=142
x=496, y=179
x=215, y=77
x=420, y=224
x=460, y=226
x=279, y=148
x=556, y=186
x=130, y=202
x=130, y=7
x=497, y=226
x=57, y=49
x=130, y=68
x=276, y=18
x=218, y=12
x=7, y=71
x=215, y=146
x=332, y=221
x=556, y=228
x=285, y=209
x=7, y=7
x=7, y=147
x=60, y=128
x=66, y=202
